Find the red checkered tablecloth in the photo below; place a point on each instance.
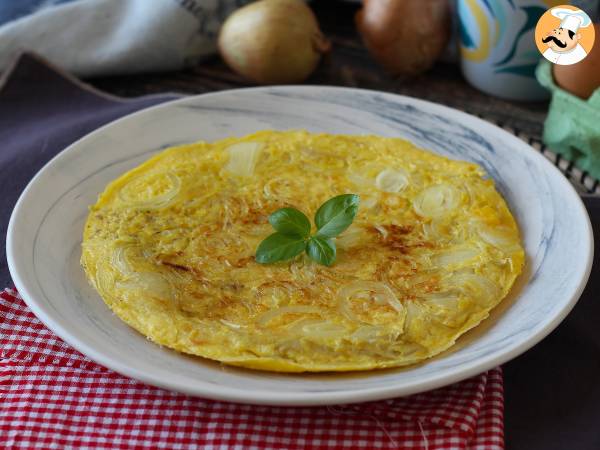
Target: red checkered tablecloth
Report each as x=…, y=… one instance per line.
x=51, y=396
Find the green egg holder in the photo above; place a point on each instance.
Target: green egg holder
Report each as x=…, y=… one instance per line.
x=572, y=127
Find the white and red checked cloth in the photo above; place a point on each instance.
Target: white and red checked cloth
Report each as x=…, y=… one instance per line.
x=51, y=396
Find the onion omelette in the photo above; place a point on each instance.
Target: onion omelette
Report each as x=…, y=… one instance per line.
x=170, y=247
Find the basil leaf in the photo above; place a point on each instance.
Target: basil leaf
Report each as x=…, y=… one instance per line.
x=290, y=221
x=322, y=250
x=279, y=247
x=336, y=214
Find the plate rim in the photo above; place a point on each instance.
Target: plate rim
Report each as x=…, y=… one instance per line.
x=263, y=397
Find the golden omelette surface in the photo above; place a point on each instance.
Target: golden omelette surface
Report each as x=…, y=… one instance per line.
x=170, y=247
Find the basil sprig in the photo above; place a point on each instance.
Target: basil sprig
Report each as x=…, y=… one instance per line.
x=292, y=235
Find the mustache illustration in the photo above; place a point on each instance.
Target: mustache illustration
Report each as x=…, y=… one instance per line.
x=556, y=41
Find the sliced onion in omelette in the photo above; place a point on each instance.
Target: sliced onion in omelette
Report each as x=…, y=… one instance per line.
x=170, y=247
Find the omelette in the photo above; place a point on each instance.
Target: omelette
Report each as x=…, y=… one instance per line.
x=170, y=247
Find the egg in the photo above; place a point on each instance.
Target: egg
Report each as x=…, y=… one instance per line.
x=582, y=78
x=170, y=247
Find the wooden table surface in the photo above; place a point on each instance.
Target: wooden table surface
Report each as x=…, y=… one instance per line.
x=349, y=64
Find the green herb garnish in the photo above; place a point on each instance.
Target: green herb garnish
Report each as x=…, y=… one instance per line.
x=293, y=236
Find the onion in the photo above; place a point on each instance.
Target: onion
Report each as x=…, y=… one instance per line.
x=456, y=256
x=414, y=311
x=405, y=36
x=235, y=326
x=407, y=349
x=500, y=237
x=447, y=308
x=281, y=189
x=380, y=292
x=302, y=270
x=391, y=180
x=265, y=318
x=151, y=283
x=445, y=300
x=273, y=41
x=381, y=229
x=437, y=230
x=155, y=201
x=437, y=200
x=351, y=238
x=276, y=293
x=243, y=157
x=476, y=286
x=368, y=202
x=105, y=280
x=319, y=329
x=120, y=259
x=366, y=333
x=268, y=189
x=413, y=280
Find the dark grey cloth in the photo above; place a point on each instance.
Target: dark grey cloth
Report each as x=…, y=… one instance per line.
x=42, y=111
x=552, y=391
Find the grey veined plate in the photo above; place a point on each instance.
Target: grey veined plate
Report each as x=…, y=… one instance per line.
x=45, y=232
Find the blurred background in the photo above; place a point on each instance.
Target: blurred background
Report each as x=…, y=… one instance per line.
x=476, y=55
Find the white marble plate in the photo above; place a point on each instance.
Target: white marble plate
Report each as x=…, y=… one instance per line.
x=45, y=233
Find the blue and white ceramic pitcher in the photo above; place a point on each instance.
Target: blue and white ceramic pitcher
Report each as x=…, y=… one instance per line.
x=497, y=48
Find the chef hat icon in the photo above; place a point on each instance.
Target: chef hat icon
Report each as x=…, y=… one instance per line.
x=571, y=20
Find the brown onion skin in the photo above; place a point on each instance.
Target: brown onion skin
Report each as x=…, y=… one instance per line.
x=284, y=45
x=405, y=36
